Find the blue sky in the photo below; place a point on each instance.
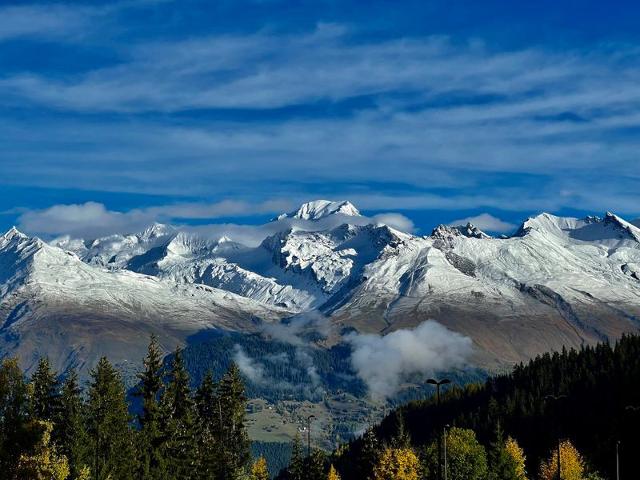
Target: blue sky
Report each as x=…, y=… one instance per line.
x=122, y=113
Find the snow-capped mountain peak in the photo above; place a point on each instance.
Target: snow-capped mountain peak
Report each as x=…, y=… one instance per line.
x=157, y=230
x=319, y=209
x=625, y=227
x=446, y=232
x=12, y=233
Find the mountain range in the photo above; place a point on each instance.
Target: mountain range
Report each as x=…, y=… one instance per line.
x=555, y=282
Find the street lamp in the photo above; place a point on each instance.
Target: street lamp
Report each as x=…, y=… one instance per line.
x=437, y=383
x=446, y=427
x=630, y=410
x=309, y=418
x=555, y=399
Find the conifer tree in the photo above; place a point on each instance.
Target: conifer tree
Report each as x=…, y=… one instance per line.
x=233, y=437
x=14, y=411
x=70, y=432
x=110, y=438
x=45, y=396
x=151, y=439
x=316, y=465
x=502, y=464
x=208, y=418
x=178, y=408
x=369, y=455
x=296, y=470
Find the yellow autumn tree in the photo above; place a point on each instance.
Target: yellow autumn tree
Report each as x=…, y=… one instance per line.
x=333, y=474
x=43, y=462
x=397, y=464
x=519, y=459
x=572, y=464
x=84, y=473
x=259, y=470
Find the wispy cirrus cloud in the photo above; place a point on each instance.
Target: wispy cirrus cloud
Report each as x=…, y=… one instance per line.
x=47, y=21
x=270, y=114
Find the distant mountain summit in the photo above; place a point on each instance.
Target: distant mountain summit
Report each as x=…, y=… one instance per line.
x=319, y=209
x=557, y=281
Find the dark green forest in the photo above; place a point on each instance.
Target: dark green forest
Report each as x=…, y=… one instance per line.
x=53, y=430
x=193, y=427
x=598, y=390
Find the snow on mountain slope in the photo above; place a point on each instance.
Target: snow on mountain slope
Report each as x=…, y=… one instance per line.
x=515, y=297
x=319, y=209
x=558, y=281
x=115, y=251
x=53, y=303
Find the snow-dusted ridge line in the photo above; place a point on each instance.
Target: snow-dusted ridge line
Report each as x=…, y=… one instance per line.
x=557, y=281
x=319, y=209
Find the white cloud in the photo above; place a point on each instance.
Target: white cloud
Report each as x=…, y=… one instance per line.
x=251, y=369
x=385, y=362
x=92, y=219
x=395, y=220
x=88, y=219
x=487, y=222
x=409, y=134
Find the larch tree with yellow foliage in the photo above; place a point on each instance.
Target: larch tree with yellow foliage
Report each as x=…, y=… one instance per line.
x=259, y=470
x=572, y=465
x=333, y=474
x=397, y=464
x=517, y=454
x=43, y=463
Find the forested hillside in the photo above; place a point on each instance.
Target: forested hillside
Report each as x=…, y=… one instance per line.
x=56, y=431
x=509, y=425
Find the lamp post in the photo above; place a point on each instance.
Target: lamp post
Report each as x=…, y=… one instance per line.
x=555, y=399
x=446, y=427
x=630, y=410
x=618, y=460
x=437, y=384
x=309, y=418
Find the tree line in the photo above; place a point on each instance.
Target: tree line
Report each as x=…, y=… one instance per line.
x=509, y=427
x=53, y=430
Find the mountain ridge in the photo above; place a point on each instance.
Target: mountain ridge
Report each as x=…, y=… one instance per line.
x=557, y=281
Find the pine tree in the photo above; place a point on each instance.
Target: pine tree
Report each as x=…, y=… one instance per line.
x=234, y=440
x=110, y=438
x=502, y=465
x=316, y=465
x=178, y=408
x=208, y=418
x=151, y=440
x=259, y=470
x=45, y=397
x=369, y=455
x=14, y=412
x=70, y=432
x=296, y=469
